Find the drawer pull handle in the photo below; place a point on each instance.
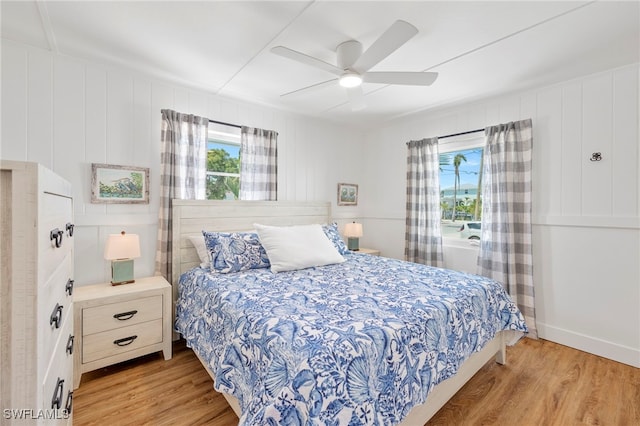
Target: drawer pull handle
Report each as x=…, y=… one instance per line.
x=69, y=228
x=56, y=401
x=70, y=344
x=125, y=315
x=69, y=287
x=125, y=341
x=56, y=235
x=69, y=403
x=56, y=316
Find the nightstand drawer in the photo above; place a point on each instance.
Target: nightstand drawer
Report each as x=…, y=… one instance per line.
x=124, y=339
x=123, y=314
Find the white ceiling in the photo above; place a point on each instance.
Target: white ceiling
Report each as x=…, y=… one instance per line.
x=478, y=48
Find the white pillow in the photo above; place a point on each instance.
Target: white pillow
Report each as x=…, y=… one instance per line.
x=201, y=248
x=297, y=247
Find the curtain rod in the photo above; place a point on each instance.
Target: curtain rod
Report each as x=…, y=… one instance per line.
x=460, y=134
x=225, y=124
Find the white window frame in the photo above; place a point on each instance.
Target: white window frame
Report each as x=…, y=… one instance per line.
x=224, y=134
x=454, y=144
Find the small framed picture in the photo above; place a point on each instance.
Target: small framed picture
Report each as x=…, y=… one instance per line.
x=347, y=194
x=119, y=184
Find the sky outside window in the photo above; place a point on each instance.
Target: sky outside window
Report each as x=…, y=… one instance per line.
x=468, y=169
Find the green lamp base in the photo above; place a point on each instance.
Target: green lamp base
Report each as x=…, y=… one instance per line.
x=122, y=271
x=353, y=243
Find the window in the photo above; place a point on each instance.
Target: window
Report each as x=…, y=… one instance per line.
x=223, y=162
x=460, y=187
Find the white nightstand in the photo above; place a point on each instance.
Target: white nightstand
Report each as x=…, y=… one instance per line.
x=117, y=323
x=369, y=251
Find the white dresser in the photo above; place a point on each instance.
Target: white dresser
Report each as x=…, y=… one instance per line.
x=36, y=312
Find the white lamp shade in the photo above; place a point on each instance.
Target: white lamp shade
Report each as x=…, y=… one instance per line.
x=353, y=230
x=122, y=246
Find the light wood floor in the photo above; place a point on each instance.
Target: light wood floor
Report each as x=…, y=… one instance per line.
x=543, y=383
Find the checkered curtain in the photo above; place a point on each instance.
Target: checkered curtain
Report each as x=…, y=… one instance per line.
x=183, y=167
x=505, y=247
x=258, y=164
x=423, y=235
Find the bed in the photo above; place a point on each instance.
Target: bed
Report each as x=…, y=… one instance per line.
x=367, y=341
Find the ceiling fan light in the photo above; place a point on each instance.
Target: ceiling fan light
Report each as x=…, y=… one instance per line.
x=350, y=80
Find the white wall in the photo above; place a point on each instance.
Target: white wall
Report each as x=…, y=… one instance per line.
x=586, y=215
x=67, y=113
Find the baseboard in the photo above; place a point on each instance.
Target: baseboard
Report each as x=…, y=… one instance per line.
x=603, y=348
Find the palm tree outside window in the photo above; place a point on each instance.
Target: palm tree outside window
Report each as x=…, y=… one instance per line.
x=460, y=186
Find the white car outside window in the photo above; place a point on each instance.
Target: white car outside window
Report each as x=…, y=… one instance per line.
x=470, y=230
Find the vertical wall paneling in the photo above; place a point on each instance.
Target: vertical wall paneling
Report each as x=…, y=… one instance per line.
x=40, y=122
x=213, y=108
x=596, y=137
x=69, y=124
x=548, y=152
x=197, y=104
x=291, y=177
x=476, y=119
x=119, y=118
x=120, y=129
x=510, y=109
x=280, y=122
x=571, y=154
x=624, y=155
x=312, y=149
x=95, y=139
x=89, y=254
x=528, y=109
x=141, y=134
x=492, y=114
x=161, y=98
x=14, y=103
x=300, y=166
x=228, y=112
x=181, y=100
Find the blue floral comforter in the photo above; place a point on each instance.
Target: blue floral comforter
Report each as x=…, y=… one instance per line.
x=358, y=343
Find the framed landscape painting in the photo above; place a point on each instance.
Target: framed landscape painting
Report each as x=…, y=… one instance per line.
x=119, y=184
x=347, y=194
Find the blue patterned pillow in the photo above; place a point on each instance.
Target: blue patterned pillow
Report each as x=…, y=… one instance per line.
x=236, y=251
x=331, y=231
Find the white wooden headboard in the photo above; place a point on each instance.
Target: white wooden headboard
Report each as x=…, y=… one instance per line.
x=191, y=217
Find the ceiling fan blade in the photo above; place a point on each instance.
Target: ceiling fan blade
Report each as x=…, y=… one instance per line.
x=407, y=78
x=356, y=98
x=395, y=36
x=311, y=88
x=306, y=59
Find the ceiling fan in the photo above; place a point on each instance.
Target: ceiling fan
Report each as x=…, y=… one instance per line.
x=352, y=65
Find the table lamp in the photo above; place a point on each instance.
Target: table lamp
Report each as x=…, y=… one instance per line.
x=353, y=231
x=121, y=249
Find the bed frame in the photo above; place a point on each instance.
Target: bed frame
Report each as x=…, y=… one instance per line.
x=191, y=217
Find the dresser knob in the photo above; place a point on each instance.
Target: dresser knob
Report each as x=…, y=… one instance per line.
x=69, y=227
x=69, y=287
x=70, y=344
x=56, y=316
x=56, y=235
x=56, y=400
x=69, y=404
